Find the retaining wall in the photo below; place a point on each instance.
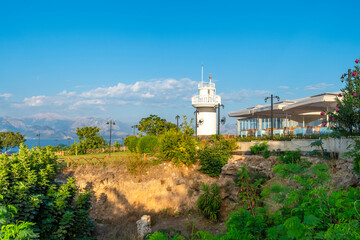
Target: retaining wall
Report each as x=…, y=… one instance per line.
x=338, y=145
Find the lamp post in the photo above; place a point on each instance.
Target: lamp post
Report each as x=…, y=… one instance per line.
x=38, y=135
x=134, y=126
x=271, y=113
x=111, y=123
x=177, y=123
x=344, y=75
x=196, y=123
x=219, y=105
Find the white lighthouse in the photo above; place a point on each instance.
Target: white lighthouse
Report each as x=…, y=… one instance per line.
x=206, y=103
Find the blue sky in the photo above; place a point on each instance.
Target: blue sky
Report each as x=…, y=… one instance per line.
x=129, y=59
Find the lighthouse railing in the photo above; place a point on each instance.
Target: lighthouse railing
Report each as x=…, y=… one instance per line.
x=206, y=85
x=206, y=99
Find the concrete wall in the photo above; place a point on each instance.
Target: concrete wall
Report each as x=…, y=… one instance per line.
x=331, y=145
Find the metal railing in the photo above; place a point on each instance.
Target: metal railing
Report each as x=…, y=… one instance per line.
x=206, y=85
x=206, y=99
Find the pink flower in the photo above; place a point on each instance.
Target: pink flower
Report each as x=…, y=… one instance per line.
x=357, y=61
x=337, y=109
x=354, y=73
x=340, y=95
x=323, y=124
x=322, y=113
x=355, y=94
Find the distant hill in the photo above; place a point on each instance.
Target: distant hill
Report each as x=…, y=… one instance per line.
x=54, y=126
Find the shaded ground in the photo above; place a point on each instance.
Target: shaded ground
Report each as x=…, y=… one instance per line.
x=165, y=192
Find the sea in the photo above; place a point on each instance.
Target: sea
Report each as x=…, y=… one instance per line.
x=31, y=143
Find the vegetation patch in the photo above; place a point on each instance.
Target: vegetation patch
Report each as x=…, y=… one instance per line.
x=215, y=155
x=34, y=206
x=259, y=147
x=209, y=202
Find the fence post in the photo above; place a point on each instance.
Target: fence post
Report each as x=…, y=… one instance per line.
x=67, y=161
x=107, y=159
x=144, y=156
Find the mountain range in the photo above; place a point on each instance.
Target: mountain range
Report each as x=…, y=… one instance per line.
x=54, y=126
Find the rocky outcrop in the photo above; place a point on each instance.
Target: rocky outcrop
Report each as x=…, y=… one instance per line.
x=341, y=170
x=143, y=226
x=253, y=162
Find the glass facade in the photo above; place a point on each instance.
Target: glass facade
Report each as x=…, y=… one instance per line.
x=264, y=123
x=259, y=123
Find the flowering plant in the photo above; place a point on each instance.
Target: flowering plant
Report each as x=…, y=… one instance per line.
x=346, y=117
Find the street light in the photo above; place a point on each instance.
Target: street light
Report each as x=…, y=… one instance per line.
x=177, y=123
x=219, y=105
x=134, y=126
x=38, y=135
x=344, y=75
x=271, y=112
x=110, y=123
x=196, y=123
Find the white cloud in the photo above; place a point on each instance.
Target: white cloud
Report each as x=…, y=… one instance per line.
x=66, y=93
x=167, y=88
x=6, y=95
x=34, y=101
x=319, y=86
x=146, y=93
x=283, y=87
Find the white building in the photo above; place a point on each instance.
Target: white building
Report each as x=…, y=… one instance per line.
x=206, y=103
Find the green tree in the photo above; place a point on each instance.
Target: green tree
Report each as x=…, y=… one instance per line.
x=9, y=140
x=154, y=125
x=117, y=145
x=89, y=138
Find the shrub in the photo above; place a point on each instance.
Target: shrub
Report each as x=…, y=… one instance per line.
x=147, y=144
x=136, y=165
x=290, y=157
x=177, y=147
x=266, y=153
x=55, y=211
x=215, y=155
x=132, y=144
x=209, y=202
x=258, y=147
x=127, y=140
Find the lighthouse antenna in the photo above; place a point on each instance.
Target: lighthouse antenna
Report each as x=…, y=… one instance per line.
x=202, y=73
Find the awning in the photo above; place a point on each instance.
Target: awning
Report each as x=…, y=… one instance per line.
x=302, y=110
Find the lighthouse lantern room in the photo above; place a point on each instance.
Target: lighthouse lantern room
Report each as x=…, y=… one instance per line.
x=206, y=103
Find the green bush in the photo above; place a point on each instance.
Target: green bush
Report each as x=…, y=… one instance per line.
x=127, y=140
x=52, y=210
x=177, y=147
x=132, y=144
x=258, y=147
x=290, y=157
x=147, y=144
x=266, y=153
x=209, y=202
x=215, y=155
